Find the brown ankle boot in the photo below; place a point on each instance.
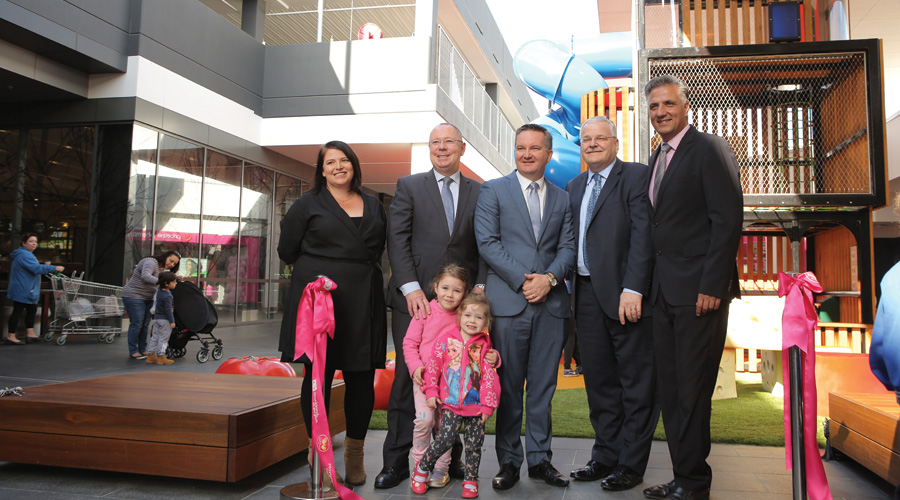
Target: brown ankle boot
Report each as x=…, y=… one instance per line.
x=354, y=470
x=151, y=358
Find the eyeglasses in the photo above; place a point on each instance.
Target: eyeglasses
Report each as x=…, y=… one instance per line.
x=599, y=138
x=446, y=143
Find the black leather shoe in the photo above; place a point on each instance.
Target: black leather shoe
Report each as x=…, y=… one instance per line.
x=660, y=490
x=390, y=477
x=680, y=493
x=593, y=471
x=506, y=478
x=546, y=471
x=621, y=478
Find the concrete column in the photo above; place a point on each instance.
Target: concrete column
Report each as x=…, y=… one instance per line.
x=253, y=18
x=426, y=28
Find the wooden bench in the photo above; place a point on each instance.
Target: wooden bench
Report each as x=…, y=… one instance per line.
x=865, y=428
x=194, y=425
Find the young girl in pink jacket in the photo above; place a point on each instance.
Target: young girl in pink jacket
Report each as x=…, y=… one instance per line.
x=459, y=380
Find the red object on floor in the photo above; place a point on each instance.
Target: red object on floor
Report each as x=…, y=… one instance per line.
x=843, y=372
x=383, y=381
x=252, y=365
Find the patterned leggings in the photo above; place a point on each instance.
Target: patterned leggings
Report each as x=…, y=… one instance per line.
x=473, y=438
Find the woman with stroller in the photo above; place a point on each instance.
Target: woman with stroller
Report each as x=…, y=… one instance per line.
x=25, y=288
x=338, y=231
x=137, y=297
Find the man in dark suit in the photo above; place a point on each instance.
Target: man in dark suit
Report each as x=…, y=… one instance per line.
x=612, y=285
x=523, y=226
x=696, y=213
x=429, y=225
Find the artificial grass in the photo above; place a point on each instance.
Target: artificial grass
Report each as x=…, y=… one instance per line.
x=755, y=417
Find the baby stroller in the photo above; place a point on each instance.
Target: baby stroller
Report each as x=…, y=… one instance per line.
x=195, y=318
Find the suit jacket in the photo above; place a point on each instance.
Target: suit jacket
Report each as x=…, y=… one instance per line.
x=619, y=246
x=697, y=221
x=507, y=244
x=418, y=240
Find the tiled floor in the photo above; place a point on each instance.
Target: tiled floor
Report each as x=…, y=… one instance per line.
x=740, y=472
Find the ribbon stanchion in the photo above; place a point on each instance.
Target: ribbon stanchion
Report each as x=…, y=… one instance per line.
x=799, y=324
x=315, y=324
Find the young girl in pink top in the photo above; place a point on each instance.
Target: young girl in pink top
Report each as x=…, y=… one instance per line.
x=459, y=380
x=450, y=286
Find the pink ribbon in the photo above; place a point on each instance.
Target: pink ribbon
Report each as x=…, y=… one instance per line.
x=799, y=324
x=315, y=320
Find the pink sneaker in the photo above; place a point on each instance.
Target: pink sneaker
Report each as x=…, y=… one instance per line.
x=418, y=481
x=470, y=489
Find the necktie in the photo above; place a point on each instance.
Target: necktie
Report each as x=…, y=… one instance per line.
x=534, y=209
x=660, y=169
x=447, y=199
x=595, y=192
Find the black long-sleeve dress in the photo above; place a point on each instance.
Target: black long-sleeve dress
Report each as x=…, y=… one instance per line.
x=319, y=238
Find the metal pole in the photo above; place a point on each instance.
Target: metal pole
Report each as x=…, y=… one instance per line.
x=798, y=471
x=314, y=489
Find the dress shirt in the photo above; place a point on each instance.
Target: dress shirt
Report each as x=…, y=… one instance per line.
x=584, y=216
x=542, y=191
x=673, y=144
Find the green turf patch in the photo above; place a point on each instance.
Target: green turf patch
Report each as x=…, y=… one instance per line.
x=755, y=417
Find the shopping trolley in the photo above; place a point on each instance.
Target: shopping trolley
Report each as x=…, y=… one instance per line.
x=82, y=307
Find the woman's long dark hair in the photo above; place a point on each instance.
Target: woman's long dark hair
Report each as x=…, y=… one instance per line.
x=161, y=258
x=343, y=147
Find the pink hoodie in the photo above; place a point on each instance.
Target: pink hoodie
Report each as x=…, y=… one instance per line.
x=422, y=333
x=457, y=374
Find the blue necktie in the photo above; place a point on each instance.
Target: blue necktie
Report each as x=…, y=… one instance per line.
x=534, y=209
x=447, y=199
x=592, y=202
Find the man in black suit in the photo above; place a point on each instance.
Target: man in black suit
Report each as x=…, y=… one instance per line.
x=430, y=224
x=612, y=285
x=696, y=213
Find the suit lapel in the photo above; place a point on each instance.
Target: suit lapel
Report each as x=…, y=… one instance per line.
x=577, y=195
x=518, y=198
x=430, y=186
x=465, y=192
x=677, y=160
x=612, y=178
x=549, y=203
x=332, y=206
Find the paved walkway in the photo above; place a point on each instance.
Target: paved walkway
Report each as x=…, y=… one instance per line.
x=740, y=472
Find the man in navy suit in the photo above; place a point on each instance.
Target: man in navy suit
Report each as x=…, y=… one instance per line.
x=430, y=225
x=696, y=215
x=612, y=285
x=523, y=226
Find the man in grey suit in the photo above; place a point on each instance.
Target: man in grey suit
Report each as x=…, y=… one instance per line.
x=523, y=226
x=696, y=215
x=430, y=224
x=612, y=285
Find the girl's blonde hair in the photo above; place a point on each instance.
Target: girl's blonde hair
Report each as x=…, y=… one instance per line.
x=453, y=271
x=475, y=299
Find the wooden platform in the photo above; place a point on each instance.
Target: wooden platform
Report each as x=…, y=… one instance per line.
x=865, y=428
x=193, y=425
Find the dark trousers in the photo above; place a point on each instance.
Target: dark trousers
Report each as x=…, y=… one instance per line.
x=359, y=398
x=18, y=307
x=619, y=378
x=401, y=407
x=571, y=351
x=688, y=350
x=473, y=431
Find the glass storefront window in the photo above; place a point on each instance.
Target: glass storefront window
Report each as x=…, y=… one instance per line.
x=287, y=190
x=45, y=183
x=179, y=188
x=141, y=188
x=256, y=214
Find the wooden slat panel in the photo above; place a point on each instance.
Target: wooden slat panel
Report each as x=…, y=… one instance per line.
x=686, y=21
x=810, y=35
x=866, y=452
x=627, y=126
x=745, y=25
x=733, y=26
x=720, y=24
x=759, y=21
x=710, y=23
x=738, y=359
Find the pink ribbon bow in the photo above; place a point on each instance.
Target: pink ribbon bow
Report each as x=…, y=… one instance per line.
x=315, y=320
x=799, y=324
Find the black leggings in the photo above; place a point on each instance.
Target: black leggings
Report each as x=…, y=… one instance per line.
x=359, y=398
x=18, y=307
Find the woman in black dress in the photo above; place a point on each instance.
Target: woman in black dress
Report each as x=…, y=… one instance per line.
x=338, y=231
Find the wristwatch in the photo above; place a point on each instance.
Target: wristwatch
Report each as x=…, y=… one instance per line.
x=553, y=280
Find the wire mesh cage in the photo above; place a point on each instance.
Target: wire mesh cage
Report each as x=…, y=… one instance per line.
x=85, y=308
x=799, y=123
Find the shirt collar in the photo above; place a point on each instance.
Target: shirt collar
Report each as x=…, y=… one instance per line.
x=523, y=182
x=678, y=137
x=439, y=176
x=603, y=173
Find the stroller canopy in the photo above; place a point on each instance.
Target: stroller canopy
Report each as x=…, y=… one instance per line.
x=192, y=309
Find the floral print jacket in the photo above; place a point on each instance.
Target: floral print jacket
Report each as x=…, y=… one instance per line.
x=458, y=376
